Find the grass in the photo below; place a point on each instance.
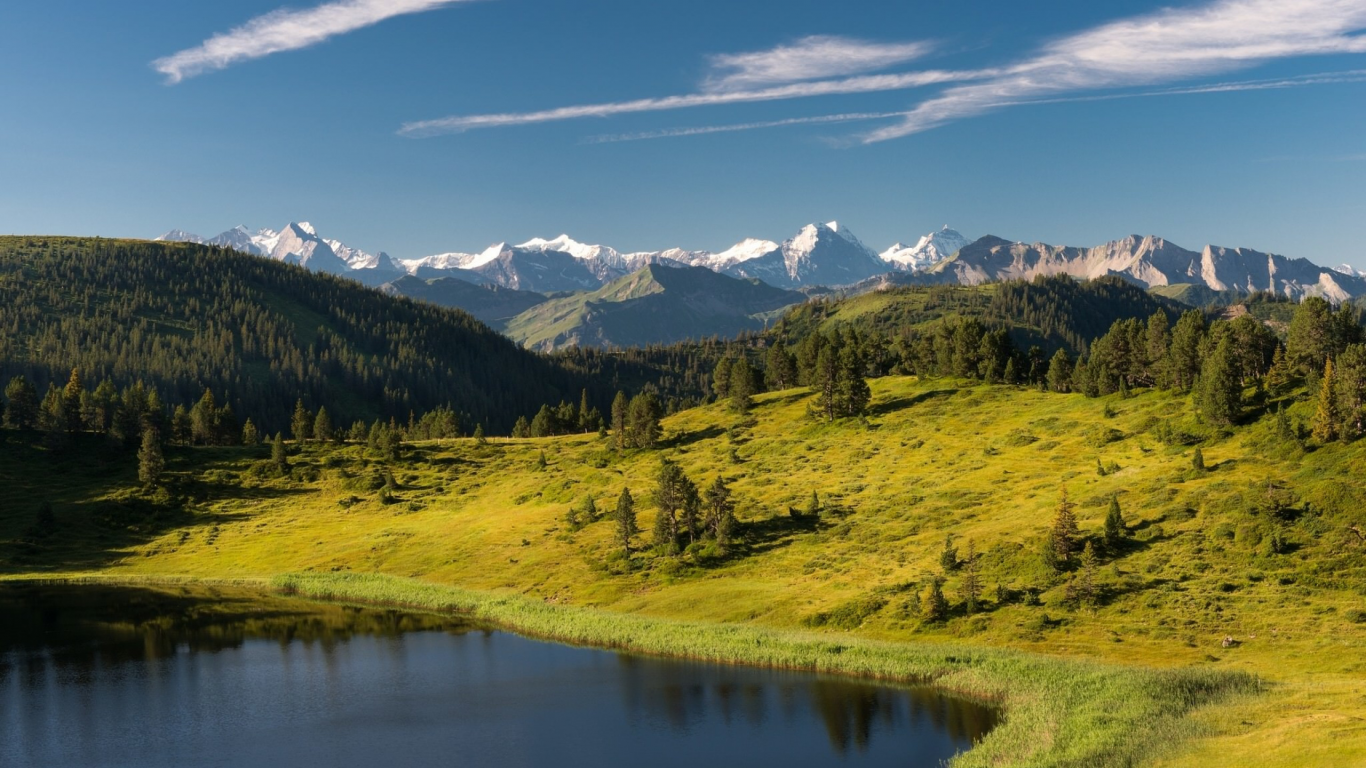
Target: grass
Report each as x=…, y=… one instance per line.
x=481, y=528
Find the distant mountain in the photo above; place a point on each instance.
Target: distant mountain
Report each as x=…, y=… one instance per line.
x=492, y=305
x=928, y=251
x=658, y=304
x=1149, y=261
x=819, y=255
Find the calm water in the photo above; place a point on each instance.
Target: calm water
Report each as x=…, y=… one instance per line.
x=96, y=676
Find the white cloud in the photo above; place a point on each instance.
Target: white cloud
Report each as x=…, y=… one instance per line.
x=1166, y=46
x=286, y=30
x=817, y=57
x=1321, y=78
x=861, y=84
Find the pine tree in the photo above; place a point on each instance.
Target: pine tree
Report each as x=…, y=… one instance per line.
x=590, y=511
x=1157, y=348
x=825, y=382
x=780, y=369
x=619, y=412
x=182, y=427
x=479, y=438
x=21, y=404
x=358, y=432
x=642, y=421
x=673, y=492
x=1183, y=359
x=1220, y=393
x=1327, y=419
x=71, y=402
x=1279, y=375
x=972, y=581
x=1115, y=529
x=277, y=454
x=948, y=556
x=934, y=607
x=852, y=392
x=522, y=428
x=1087, y=589
x=204, y=420
x=1198, y=460
x=322, y=426
x=584, y=413
x=150, y=461
x=543, y=425
x=302, y=423
x=813, y=506
x=1065, y=534
x=1010, y=376
x=720, y=512
x=625, y=515
x=721, y=378
x=1060, y=372
x=1349, y=389
x=741, y=386
x=540, y=461
x=249, y=437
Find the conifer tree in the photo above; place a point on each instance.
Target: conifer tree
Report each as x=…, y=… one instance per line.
x=182, y=428
x=741, y=386
x=150, y=461
x=720, y=378
x=673, y=492
x=1349, y=387
x=1065, y=533
x=934, y=607
x=249, y=437
x=813, y=506
x=590, y=510
x=972, y=580
x=543, y=425
x=21, y=404
x=1158, y=346
x=1327, y=420
x=1060, y=372
x=71, y=402
x=625, y=515
x=358, y=432
x=1010, y=376
x=1198, y=460
x=1310, y=339
x=301, y=425
x=392, y=444
x=642, y=421
x=825, y=382
x=1183, y=360
x=522, y=428
x=948, y=556
x=1279, y=375
x=720, y=511
x=479, y=438
x=584, y=413
x=852, y=392
x=277, y=454
x=204, y=420
x=1087, y=589
x=619, y=410
x=1220, y=392
x=780, y=369
x=540, y=461
x=1115, y=529
x=322, y=426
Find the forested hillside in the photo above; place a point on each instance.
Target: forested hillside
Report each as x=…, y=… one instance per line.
x=181, y=318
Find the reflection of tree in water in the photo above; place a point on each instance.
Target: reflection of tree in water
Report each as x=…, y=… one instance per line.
x=683, y=695
x=77, y=627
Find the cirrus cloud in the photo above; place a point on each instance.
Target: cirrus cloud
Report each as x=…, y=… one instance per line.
x=286, y=30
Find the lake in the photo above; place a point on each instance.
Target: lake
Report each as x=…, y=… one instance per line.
x=151, y=677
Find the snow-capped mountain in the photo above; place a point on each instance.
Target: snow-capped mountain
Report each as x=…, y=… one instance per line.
x=928, y=251
x=1348, y=269
x=825, y=254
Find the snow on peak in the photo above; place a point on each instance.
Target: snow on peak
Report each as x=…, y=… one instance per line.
x=179, y=236
x=928, y=250
x=305, y=227
x=1348, y=269
x=567, y=244
x=749, y=248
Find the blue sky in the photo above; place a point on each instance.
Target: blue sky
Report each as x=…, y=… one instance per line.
x=1066, y=122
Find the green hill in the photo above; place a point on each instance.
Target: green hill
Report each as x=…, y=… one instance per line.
x=262, y=334
x=655, y=305
x=1053, y=313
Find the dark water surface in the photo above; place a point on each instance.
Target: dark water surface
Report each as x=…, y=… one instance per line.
x=117, y=676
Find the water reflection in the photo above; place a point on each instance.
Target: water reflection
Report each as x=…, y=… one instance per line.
x=101, y=675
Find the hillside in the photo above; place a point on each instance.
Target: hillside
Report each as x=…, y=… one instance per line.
x=183, y=317
x=491, y=304
x=1049, y=312
x=655, y=305
x=1208, y=557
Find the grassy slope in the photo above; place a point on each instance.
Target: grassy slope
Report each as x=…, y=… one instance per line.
x=984, y=463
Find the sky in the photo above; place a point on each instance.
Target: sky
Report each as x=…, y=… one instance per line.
x=423, y=126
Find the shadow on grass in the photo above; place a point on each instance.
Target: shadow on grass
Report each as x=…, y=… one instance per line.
x=760, y=536
x=695, y=436
x=900, y=403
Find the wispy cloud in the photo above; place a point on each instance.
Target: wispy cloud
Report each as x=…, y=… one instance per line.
x=817, y=57
x=702, y=130
x=1321, y=78
x=286, y=30
x=861, y=84
x=1166, y=46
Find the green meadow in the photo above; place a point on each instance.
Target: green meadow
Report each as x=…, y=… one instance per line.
x=1226, y=628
